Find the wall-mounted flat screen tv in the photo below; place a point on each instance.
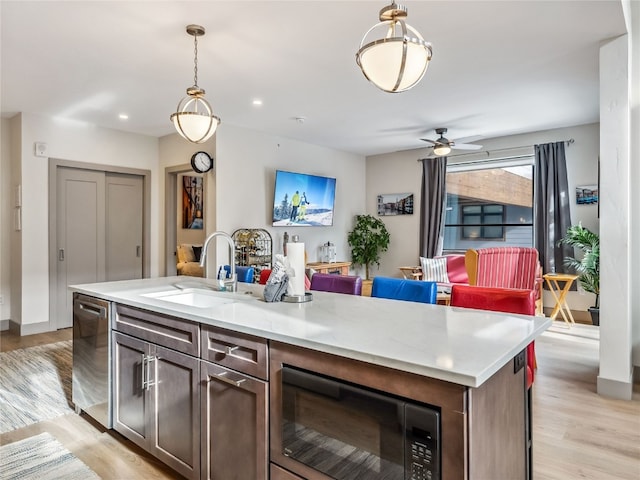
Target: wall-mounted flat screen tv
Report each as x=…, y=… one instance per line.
x=302, y=200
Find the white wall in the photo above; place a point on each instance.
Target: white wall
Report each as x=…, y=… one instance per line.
x=176, y=151
x=398, y=172
x=582, y=169
x=615, y=376
x=634, y=83
x=246, y=162
x=77, y=142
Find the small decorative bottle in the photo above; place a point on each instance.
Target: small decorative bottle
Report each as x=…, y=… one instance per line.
x=285, y=240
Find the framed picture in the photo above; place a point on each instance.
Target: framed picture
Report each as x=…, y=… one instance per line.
x=587, y=194
x=192, y=201
x=395, y=204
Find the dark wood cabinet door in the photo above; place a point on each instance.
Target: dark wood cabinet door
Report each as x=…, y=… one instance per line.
x=131, y=406
x=176, y=397
x=234, y=426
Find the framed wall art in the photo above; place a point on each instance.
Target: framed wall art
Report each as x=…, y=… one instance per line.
x=192, y=201
x=587, y=194
x=395, y=204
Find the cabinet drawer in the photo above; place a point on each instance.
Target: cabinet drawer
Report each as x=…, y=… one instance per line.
x=175, y=333
x=238, y=351
x=278, y=473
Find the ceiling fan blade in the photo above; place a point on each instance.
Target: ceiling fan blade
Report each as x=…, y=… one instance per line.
x=466, y=146
x=429, y=140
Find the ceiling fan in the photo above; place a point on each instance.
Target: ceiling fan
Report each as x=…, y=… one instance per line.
x=442, y=146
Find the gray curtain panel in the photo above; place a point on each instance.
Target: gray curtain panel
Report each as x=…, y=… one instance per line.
x=551, y=209
x=433, y=201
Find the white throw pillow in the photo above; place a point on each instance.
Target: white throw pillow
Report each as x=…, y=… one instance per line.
x=434, y=269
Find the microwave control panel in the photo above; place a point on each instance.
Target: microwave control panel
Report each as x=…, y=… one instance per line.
x=421, y=462
x=422, y=456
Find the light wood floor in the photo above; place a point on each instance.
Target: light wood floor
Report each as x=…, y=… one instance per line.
x=576, y=432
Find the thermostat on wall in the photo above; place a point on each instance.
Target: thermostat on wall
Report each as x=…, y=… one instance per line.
x=40, y=149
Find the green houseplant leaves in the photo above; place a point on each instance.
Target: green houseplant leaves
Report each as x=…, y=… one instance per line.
x=368, y=239
x=588, y=266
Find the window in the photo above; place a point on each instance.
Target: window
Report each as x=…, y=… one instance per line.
x=489, y=204
x=486, y=220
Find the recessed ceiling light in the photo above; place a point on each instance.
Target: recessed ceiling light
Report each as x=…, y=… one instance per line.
x=123, y=116
x=257, y=102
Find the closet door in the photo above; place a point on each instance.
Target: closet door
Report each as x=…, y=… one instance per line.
x=80, y=233
x=124, y=226
x=99, y=231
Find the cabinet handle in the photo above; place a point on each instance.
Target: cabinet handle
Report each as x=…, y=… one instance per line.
x=146, y=371
x=143, y=386
x=61, y=254
x=236, y=383
x=138, y=250
x=229, y=350
x=150, y=383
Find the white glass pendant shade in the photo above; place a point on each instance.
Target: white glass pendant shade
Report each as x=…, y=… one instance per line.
x=194, y=120
x=397, y=60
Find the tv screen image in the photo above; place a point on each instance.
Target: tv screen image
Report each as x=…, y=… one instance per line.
x=303, y=200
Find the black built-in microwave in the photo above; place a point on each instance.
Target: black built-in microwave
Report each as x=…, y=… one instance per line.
x=350, y=432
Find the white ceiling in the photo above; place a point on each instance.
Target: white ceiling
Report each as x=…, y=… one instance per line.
x=498, y=68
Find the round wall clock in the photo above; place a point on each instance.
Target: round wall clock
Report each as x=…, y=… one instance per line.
x=201, y=162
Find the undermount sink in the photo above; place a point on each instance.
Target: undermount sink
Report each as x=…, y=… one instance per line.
x=190, y=297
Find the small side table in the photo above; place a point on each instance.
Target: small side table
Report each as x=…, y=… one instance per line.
x=443, y=298
x=411, y=273
x=560, y=294
x=341, y=268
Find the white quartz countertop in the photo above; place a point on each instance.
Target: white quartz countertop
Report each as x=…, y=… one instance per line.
x=458, y=345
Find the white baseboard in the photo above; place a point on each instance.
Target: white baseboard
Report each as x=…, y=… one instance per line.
x=615, y=388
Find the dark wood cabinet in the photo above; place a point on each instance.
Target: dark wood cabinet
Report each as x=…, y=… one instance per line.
x=156, y=401
x=234, y=424
x=278, y=473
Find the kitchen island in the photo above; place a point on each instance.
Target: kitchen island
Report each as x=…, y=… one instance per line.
x=465, y=364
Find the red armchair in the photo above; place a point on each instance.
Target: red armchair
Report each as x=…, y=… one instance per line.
x=506, y=267
x=499, y=300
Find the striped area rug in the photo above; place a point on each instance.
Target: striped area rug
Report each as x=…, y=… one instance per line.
x=41, y=457
x=35, y=384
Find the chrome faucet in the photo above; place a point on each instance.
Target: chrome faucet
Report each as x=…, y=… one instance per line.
x=231, y=283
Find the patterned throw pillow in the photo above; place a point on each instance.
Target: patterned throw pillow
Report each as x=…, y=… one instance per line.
x=434, y=269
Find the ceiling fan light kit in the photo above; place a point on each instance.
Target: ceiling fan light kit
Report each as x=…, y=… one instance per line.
x=194, y=119
x=443, y=146
x=393, y=55
x=441, y=150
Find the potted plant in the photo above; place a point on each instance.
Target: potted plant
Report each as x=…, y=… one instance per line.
x=588, y=266
x=368, y=239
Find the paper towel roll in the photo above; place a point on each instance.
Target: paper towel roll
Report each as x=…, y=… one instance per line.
x=295, y=254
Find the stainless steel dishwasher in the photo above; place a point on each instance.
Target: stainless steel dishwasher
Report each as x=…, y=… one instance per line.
x=91, y=358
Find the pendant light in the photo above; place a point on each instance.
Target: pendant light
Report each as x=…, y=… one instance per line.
x=395, y=57
x=194, y=120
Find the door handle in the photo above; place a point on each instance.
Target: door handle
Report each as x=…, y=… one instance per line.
x=61, y=255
